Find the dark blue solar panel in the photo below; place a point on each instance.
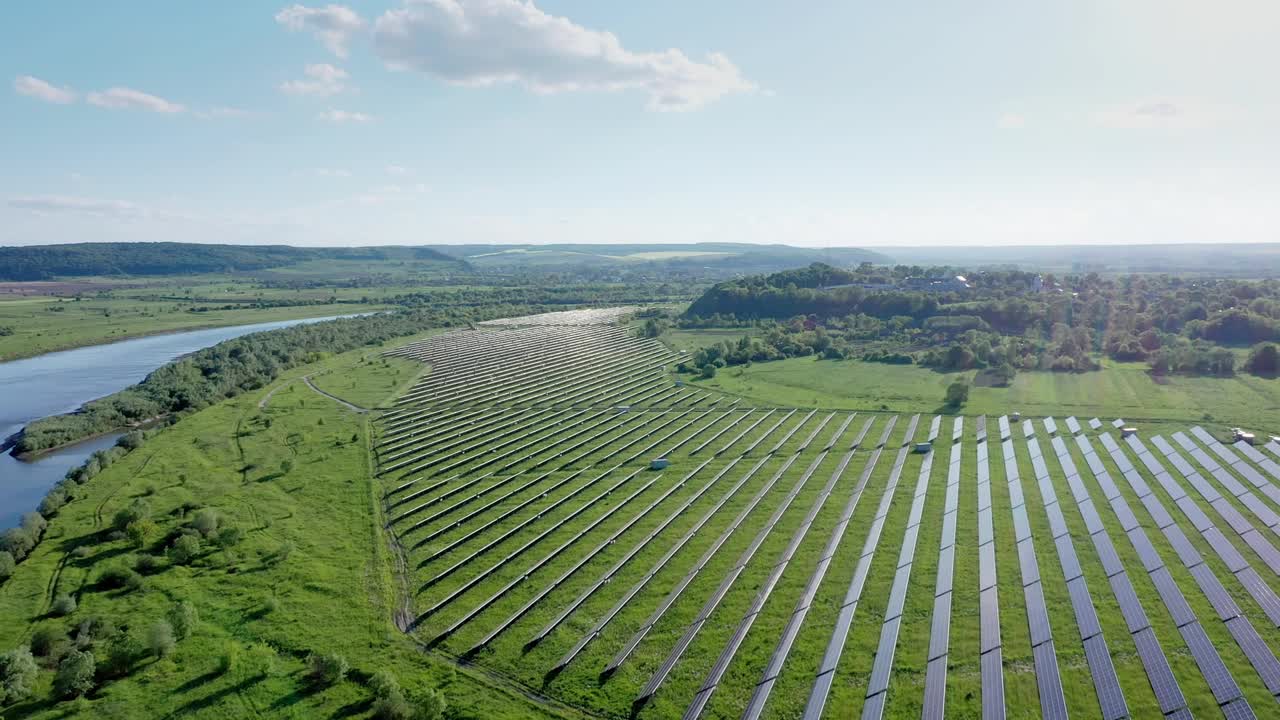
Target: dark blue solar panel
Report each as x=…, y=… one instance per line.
x=1015, y=493
x=935, y=690
x=1082, y=605
x=1021, y=527
x=1261, y=593
x=948, y=530
x=1146, y=552
x=873, y=708
x=1231, y=515
x=1163, y=683
x=1057, y=523
x=1128, y=520
x=986, y=532
x=1238, y=709
x=1053, y=705
x=1110, y=697
x=1181, y=545
x=1027, y=562
x=1134, y=616
x=989, y=619
x=1156, y=508
x=1092, y=521
x=1107, y=554
x=993, y=707
x=1192, y=510
x=1264, y=549
x=882, y=668
x=1221, y=684
x=1260, y=656
x=1037, y=617
x=1223, y=605
x=946, y=568
x=1067, y=557
x=897, y=596
x=940, y=632
x=1172, y=597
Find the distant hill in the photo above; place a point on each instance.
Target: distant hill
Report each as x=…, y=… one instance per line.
x=1235, y=259
x=44, y=262
x=723, y=258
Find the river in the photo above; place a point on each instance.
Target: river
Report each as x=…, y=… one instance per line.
x=60, y=382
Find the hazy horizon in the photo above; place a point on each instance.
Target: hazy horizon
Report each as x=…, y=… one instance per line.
x=412, y=122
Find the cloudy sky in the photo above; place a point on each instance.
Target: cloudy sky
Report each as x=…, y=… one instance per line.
x=820, y=123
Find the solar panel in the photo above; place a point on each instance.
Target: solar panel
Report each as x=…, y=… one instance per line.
x=832, y=656
x=1050, y=425
x=1221, y=684
x=1095, y=423
x=986, y=532
x=873, y=708
x=1092, y=521
x=952, y=499
x=1187, y=552
x=1028, y=429
x=948, y=529
x=1191, y=509
x=1015, y=492
x=1067, y=557
x=984, y=488
x=1073, y=425
x=1134, y=616
x=1172, y=597
x=1110, y=697
x=1259, y=509
x=882, y=668
x=1027, y=562
x=1262, y=593
x=1037, y=616
x=940, y=630
x=946, y=569
x=1264, y=549
x=1053, y=705
x=1223, y=605
x=1232, y=485
x=1021, y=526
x=934, y=426
x=818, y=695
x=989, y=619
x=957, y=428
x=1231, y=515
x=1238, y=709
x=1124, y=514
x=1107, y=554
x=1163, y=683
x=1260, y=656
x=1117, y=423
x=1041, y=470
x=908, y=546
x=1082, y=605
x=993, y=706
x=986, y=566
x=897, y=594
x=935, y=690
x=1057, y=523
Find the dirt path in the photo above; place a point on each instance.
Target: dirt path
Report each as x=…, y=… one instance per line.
x=307, y=379
x=267, y=398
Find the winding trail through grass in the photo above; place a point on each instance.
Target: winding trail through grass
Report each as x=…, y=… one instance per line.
x=350, y=406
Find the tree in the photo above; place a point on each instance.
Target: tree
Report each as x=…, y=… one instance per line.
x=48, y=641
x=18, y=673
x=327, y=669
x=206, y=521
x=138, y=510
x=1264, y=359
x=17, y=542
x=184, y=549
x=75, y=675
x=63, y=605
x=160, y=639
x=957, y=393
x=708, y=371
x=6, y=565
x=183, y=619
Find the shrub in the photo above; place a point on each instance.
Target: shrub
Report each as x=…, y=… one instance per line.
x=18, y=672
x=206, y=521
x=75, y=675
x=328, y=669
x=229, y=536
x=262, y=660
x=432, y=705
x=160, y=640
x=53, y=502
x=183, y=618
x=229, y=658
x=48, y=641
x=35, y=524
x=957, y=393
x=122, y=652
x=81, y=552
x=63, y=605
x=184, y=550
x=138, y=510
x=1264, y=360
x=6, y=565
x=17, y=542
x=146, y=564
x=114, y=578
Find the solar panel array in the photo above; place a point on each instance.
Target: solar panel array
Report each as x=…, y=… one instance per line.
x=538, y=543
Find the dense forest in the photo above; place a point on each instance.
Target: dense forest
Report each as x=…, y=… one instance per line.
x=1006, y=320
x=44, y=262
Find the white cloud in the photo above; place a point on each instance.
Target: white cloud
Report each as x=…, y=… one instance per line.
x=398, y=170
x=41, y=90
x=492, y=42
x=332, y=173
x=85, y=207
x=333, y=25
x=121, y=98
x=323, y=80
x=344, y=116
x=1157, y=113
x=1011, y=121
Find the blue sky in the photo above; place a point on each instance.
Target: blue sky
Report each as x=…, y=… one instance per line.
x=821, y=123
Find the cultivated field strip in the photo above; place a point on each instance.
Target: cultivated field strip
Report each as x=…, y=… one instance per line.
x=575, y=519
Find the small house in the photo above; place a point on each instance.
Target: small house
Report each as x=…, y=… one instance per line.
x=922, y=447
x=1126, y=432
x=659, y=464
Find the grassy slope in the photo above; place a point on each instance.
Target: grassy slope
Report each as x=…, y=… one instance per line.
x=39, y=328
x=335, y=591
x=1125, y=391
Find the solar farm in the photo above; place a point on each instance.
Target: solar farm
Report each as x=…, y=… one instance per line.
x=571, y=517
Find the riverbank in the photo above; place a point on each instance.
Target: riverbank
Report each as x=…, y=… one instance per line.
x=48, y=336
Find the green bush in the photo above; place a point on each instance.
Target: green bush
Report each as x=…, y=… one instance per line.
x=7, y=565
x=138, y=510
x=18, y=673
x=327, y=669
x=183, y=618
x=160, y=640
x=48, y=641
x=116, y=578
x=185, y=549
x=63, y=605
x=75, y=675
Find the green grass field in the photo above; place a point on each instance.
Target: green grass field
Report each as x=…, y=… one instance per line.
x=45, y=324
x=1124, y=391
x=335, y=590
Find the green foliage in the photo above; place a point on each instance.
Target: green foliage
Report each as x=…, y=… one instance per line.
x=6, y=565
x=184, y=549
x=160, y=639
x=118, y=578
x=122, y=651
x=138, y=510
x=17, y=542
x=708, y=371
x=183, y=618
x=206, y=521
x=957, y=394
x=48, y=641
x=1264, y=360
x=229, y=658
x=63, y=605
x=325, y=669
x=18, y=673
x=75, y=675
